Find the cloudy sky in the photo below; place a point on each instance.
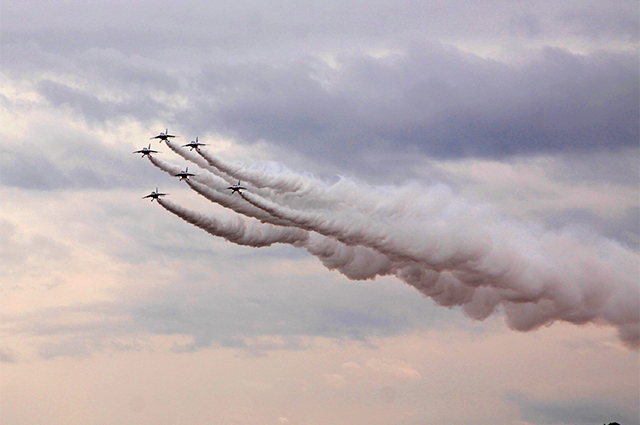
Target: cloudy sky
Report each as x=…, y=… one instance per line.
x=493, y=146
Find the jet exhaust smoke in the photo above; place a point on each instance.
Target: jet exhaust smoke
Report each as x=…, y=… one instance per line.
x=239, y=232
x=259, y=179
x=192, y=156
x=355, y=262
x=455, y=253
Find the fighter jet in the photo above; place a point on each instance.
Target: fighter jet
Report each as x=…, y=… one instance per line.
x=146, y=151
x=184, y=175
x=236, y=188
x=194, y=145
x=164, y=136
x=154, y=195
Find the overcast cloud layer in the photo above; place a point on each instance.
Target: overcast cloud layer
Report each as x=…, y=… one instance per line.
x=548, y=84
x=527, y=111
x=422, y=96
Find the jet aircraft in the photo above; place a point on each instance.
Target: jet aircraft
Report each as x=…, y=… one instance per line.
x=154, y=195
x=236, y=188
x=184, y=175
x=164, y=136
x=146, y=151
x=194, y=144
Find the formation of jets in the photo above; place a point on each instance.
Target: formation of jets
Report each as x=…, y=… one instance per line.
x=183, y=175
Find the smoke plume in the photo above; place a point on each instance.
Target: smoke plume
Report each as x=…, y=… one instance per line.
x=453, y=252
x=238, y=232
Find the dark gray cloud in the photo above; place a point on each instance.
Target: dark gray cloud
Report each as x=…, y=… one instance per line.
x=585, y=411
x=616, y=167
x=235, y=27
x=8, y=356
x=95, y=109
x=602, y=23
x=19, y=250
x=235, y=314
x=431, y=97
x=254, y=71
x=525, y=25
x=126, y=73
x=54, y=158
x=427, y=97
x=232, y=315
x=33, y=172
x=624, y=229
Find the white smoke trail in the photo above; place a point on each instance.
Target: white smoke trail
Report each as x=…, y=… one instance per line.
x=532, y=291
x=234, y=202
x=397, y=243
x=194, y=157
x=299, y=191
x=280, y=183
x=460, y=255
x=239, y=232
x=202, y=183
x=202, y=176
x=357, y=263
